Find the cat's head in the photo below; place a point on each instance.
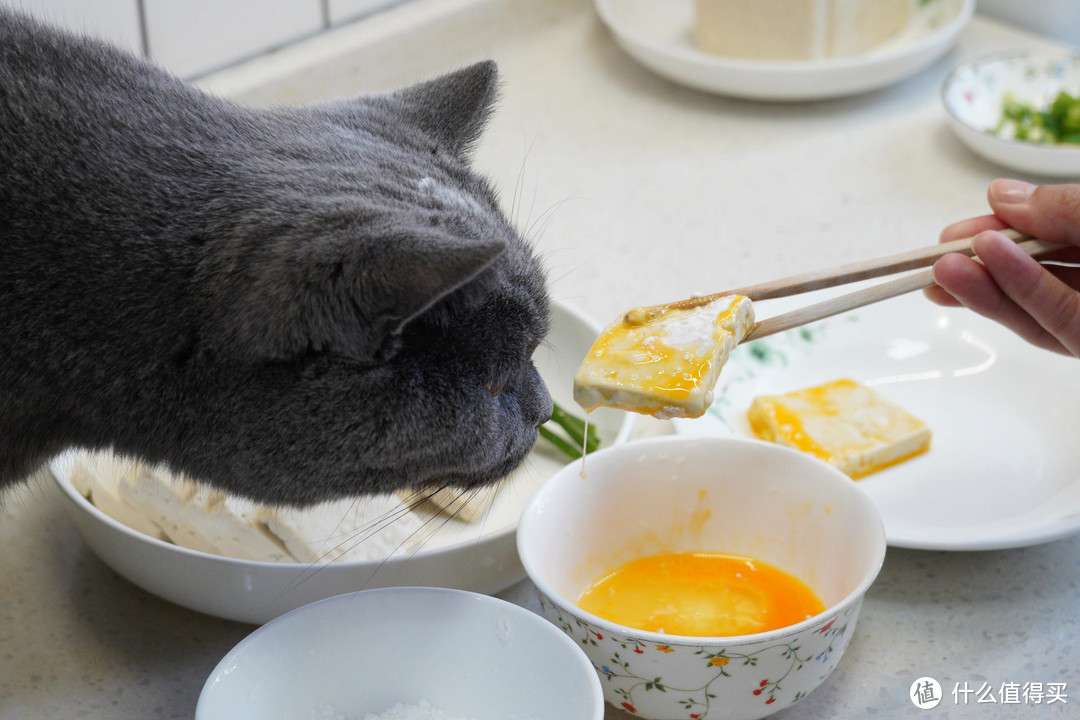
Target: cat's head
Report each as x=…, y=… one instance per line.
x=368, y=326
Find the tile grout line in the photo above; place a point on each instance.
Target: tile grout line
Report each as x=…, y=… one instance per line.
x=144, y=34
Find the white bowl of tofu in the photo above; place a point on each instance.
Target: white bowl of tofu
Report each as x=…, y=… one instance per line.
x=229, y=558
x=405, y=653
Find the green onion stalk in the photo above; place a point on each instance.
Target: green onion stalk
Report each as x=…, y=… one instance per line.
x=567, y=432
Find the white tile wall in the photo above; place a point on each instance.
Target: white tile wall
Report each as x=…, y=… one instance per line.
x=114, y=20
x=192, y=37
x=342, y=11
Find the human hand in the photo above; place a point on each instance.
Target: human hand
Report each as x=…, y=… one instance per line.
x=1040, y=303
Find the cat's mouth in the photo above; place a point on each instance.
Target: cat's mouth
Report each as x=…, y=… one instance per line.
x=484, y=473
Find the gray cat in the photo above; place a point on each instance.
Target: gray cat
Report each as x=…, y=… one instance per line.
x=291, y=304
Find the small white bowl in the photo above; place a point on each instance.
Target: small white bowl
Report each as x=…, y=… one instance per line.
x=973, y=97
x=479, y=556
x=468, y=655
x=728, y=495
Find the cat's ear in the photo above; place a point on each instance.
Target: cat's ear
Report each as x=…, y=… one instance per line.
x=415, y=272
x=453, y=108
x=349, y=300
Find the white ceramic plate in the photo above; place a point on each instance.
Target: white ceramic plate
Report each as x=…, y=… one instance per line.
x=1003, y=468
x=479, y=556
x=657, y=34
x=973, y=97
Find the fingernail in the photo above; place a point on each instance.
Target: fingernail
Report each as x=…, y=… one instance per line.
x=1011, y=191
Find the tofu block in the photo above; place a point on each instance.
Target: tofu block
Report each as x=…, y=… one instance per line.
x=858, y=26
x=796, y=29
x=232, y=525
x=81, y=476
x=663, y=363
x=846, y=424
x=360, y=529
x=174, y=505
x=99, y=476
x=170, y=507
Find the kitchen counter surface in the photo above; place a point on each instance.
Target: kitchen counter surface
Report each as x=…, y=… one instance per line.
x=635, y=190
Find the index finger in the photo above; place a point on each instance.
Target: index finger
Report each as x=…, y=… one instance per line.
x=957, y=231
x=971, y=227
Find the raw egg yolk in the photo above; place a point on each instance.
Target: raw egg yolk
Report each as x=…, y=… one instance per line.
x=700, y=594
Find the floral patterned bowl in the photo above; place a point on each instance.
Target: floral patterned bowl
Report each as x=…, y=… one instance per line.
x=731, y=495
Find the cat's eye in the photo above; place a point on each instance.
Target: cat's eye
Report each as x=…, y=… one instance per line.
x=507, y=374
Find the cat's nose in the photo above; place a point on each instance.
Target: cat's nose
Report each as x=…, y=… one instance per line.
x=548, y=407
x=535, y=399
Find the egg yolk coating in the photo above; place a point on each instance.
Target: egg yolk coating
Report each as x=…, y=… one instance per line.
x=700, y=594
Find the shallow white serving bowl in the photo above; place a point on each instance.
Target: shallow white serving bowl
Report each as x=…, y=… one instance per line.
x=658, y=35
x=973, y=96
x=469, y=655
x=479, y=556
x=729, y=495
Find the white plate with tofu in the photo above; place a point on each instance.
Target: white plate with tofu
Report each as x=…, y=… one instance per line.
x=1001, y=471
x=662, y=36
x=252, y=564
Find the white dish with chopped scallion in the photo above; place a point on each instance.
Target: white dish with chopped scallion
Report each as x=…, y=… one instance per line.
x=1019, y=110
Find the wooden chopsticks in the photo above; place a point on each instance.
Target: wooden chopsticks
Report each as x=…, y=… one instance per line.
x=849, y=273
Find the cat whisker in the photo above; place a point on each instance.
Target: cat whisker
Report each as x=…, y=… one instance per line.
x=536, y=229
x=442, y=517
x=519, y=185
x=350, y=540
x=354, y=507
x=410, y=504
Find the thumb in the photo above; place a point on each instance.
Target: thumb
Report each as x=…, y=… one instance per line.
x=1049, y=212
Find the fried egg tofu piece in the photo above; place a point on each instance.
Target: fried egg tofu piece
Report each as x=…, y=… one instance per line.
x=845, y=423
x=663, y=362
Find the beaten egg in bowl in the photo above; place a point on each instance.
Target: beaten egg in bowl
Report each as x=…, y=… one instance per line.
x=670, y=496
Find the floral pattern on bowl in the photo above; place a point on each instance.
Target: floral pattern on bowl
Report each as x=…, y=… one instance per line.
x=974, y=94
x=782, y=670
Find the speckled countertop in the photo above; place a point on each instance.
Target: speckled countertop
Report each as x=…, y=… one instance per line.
x=616, y=172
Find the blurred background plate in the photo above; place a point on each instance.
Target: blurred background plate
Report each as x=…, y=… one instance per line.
x=657, y=34
x=974, y=99
x=479, y=556
x=1002, y=470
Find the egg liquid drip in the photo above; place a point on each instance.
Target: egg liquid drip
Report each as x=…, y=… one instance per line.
x=700, y=594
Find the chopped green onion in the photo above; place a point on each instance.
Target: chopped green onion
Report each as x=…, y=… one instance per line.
x=1056, y=123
